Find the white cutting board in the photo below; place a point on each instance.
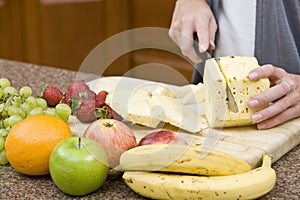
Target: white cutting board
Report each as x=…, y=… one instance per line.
x=247, y=143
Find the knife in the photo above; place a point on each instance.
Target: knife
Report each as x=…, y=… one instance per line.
x=204, y=56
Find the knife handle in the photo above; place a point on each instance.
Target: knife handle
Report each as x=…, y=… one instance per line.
x=203, y=56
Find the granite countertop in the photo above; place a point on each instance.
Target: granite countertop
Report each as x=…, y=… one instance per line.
x=14, y=185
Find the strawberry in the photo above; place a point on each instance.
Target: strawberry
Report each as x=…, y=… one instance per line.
x=106, y=112
x=86, y=111
x=100, y=99
x=75, y=87
x=87, y=94
x=67, y=98
x=52, y=95
x=73, y=102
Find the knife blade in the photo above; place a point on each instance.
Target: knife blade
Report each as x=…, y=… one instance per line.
x=231, y=101
x=204, y=56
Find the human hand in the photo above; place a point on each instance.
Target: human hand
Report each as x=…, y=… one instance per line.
x=284, y=93
x=191, y=16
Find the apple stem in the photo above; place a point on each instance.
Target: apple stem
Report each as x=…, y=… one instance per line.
x=79, y=142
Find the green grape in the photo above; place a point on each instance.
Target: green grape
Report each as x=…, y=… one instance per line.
x=63, y=111
x=12, y=120
x=3, y=132
x=16, y=101
x=41, y=102
x=50, y=111
x=4, y=82
x=8, y=128
x=13, y=110
x=31, y=101
x=25, y=91
x=2, y=142
x=1, y=106
x=3, y=159
x=10, y=91
x=1, y=93
x=26, y=108
x=36, y=111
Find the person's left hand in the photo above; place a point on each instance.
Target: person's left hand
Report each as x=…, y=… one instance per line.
x=284, y=93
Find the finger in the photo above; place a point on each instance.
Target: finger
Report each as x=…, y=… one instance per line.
x=202, y=29
x=272, y=94
x=187, y=43
x=266, y=71
x=282, y=117
x=272, y=110
x=174, y=32
x=279, y=106
x=212, y=33
x=186, y=38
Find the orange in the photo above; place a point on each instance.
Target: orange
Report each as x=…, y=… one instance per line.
x=31, y=141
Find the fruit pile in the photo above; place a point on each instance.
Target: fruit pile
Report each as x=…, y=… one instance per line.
x=16, y=105
x=85, y=103
x=163, y=165
x=79, y=100
x=29, y=123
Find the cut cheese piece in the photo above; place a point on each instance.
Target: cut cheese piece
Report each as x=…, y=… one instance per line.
x=173, y=111
x=187, y=94
x=134, y=106
x=234, y=70
x=215, y=105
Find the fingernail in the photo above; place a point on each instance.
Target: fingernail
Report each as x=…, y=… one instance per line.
x=256, y=117
x=261, y=126
x=253, y=103
x=212, y=44
x=202, y=48
x=253, y=75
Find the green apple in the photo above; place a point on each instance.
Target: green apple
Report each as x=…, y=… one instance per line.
x=78, y=166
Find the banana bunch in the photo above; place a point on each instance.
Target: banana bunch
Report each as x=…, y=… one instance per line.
x=181, y=159
x=247, y=185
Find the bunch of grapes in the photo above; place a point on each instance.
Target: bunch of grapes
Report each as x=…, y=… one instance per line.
x=16, y=105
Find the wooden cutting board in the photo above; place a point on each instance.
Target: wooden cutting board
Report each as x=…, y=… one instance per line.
x=247, y=143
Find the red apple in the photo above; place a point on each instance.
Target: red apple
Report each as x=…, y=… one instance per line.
x=114, y=136
x=162, y=137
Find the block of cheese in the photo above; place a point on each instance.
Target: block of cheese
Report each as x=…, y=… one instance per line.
x=234, y=71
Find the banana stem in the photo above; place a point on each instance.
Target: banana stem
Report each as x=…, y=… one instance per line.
x=266, y=160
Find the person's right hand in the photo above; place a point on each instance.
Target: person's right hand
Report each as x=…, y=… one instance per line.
x=193, y=16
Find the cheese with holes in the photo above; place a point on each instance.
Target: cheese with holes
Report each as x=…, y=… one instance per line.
x=234, y=71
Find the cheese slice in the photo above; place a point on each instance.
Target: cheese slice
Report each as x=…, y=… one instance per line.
x=187, y=94
x=172, y=110
x=215, y=105
x=234, y=71
x=134, y=106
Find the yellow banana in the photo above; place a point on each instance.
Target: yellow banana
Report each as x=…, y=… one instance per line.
x=182, y=159
x=248, y=185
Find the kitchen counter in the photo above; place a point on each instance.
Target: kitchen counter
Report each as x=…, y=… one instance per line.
x=14, y=185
